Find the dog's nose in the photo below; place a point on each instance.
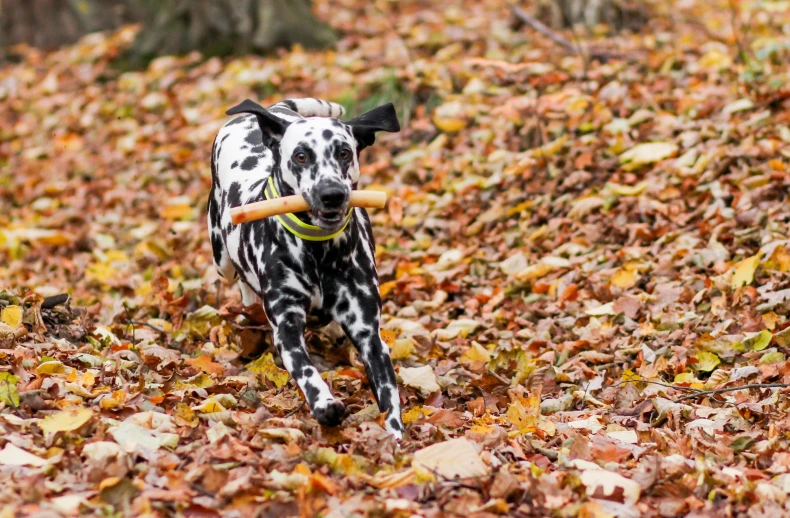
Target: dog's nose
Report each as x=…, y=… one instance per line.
x=333, y=197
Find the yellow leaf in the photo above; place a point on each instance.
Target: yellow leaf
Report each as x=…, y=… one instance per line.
x=216, y=403
x=686, y=377
x=265, y=367
x=387, y=287
x=552, y=148
x=100, y=272
x=117, y=399
x=626, y=190
x=402, y=349
x=65, y=420
x=706, y=361
x=476, y=353
x=648, y=153
x=630, y=376
x=12, y=315
x=415, y=413
x=744, y=271
x=179, y=211
x=624, y=278
x=389, y=336
x=524, y=413
x=534, y=272
x=202, y=380
x=779, y=260
x=771, y=319
x=52, y=367
x=87, y=379
x=185, y=416
x=450, y=124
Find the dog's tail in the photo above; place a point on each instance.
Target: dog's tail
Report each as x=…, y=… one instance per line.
x=309, y=107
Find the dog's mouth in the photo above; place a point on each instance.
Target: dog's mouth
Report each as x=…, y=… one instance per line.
x=329, y=219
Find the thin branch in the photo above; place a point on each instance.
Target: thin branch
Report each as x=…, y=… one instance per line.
x=146, y=324
x=295, y=410
x=731, y=389
x=537, y=25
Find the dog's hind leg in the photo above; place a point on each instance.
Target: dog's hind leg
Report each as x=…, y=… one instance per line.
x=248, y=295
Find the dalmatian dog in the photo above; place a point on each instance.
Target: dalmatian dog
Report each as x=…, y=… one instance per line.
x=313, y=268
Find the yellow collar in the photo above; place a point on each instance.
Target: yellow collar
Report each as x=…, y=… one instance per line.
x=298, y=227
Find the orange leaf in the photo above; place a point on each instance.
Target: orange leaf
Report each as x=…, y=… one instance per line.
x=206, y=364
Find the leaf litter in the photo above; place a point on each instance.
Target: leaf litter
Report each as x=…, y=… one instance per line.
x=580, y=263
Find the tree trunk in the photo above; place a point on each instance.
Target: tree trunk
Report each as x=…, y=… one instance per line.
x=223, y=27
x=48, y=24
x=214, y=27
x=617, y=14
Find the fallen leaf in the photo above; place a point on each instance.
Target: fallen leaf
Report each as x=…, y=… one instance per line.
x=744, y=271
x=66, y=420
x=11, y=316
x=422, y=378
x=265, y=367
x=648, y=153
x=13, y=456
x=450, y=459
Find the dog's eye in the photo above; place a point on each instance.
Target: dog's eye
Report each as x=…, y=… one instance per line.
x=301, y=157
x=345, y=154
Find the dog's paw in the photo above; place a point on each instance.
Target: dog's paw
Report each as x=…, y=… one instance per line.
x=395, y=427
x=330, y=414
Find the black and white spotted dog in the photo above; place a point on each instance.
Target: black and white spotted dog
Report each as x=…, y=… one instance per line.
x=320, y=267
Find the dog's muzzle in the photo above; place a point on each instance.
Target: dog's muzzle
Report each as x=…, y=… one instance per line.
x=330, y=204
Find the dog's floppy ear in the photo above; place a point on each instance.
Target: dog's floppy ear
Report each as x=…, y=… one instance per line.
x=270, y=125
x=366, y=125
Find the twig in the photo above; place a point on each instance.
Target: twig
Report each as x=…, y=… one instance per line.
x=731, y=389
x=537, y=25
x=54, y=301
x=295, y=410
x=667, y=385
x=146, y=324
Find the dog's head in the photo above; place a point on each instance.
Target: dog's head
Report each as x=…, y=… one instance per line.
x=319, y=157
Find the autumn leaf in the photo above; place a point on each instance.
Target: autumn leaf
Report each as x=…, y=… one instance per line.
x=11, y=316
x=8, y=389
x=66, y=420
x=648, y=153
x=449, y=459
x=422, y=378
x=706, y=361
x=206, y=364
x=744, y=271
x=265, y=368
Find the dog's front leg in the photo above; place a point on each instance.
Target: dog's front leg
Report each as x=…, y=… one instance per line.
x=358, y=312
x=288, y=331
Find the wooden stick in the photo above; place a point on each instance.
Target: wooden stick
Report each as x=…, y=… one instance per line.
x=296, y=203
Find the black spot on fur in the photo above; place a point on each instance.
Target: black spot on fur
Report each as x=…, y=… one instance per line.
x=235, y=164
x=249, y=163
x=327, y=134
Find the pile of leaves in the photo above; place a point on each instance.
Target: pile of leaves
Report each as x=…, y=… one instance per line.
x=585, y=265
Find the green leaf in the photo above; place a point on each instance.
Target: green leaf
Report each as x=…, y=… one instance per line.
x=8, y=391
x=741, y=444
x=772, y=358
x=706, y=361
x=758, y=341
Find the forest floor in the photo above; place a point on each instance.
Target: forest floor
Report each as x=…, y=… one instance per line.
x=586, y=250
